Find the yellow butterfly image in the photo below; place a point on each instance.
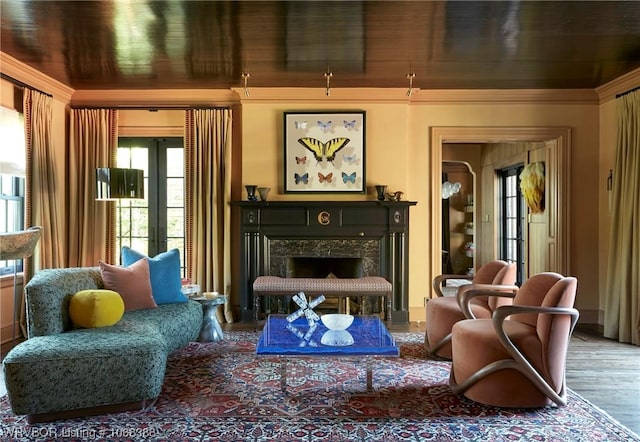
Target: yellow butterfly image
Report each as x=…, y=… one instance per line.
x=322, y=150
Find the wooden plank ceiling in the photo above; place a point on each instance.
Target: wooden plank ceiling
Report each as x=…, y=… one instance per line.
x=139, y=44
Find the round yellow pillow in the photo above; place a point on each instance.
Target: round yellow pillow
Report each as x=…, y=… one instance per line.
x=96, y=308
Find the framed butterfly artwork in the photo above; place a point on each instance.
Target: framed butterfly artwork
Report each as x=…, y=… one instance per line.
x=324, y=152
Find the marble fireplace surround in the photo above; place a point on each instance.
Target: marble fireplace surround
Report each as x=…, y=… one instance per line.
x=317, y=258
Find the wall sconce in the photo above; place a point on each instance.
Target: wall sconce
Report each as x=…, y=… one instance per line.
x=449, y=189
x=116, y=183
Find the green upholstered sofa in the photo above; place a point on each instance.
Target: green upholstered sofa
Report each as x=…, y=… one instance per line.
x=61, y=372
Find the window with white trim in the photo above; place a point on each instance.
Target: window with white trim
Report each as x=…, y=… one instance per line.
x=12, y=179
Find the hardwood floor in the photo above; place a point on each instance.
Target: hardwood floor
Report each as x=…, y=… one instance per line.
x=607, y=374
x=603, y=371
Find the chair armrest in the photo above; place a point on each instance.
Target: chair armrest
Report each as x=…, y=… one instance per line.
x=440, y=279
x=466, y=293
x=523, y=365
x=504, y=311
x=47, y=296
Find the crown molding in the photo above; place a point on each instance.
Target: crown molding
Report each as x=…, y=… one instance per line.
x=620, y=85
x=160, y=98
x=421, y=96
x=34, y=78
x=154, y=98
x=505, y=96
x=319, y=95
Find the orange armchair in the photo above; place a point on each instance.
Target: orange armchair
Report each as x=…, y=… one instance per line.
x=517, y=358
x=444, y=311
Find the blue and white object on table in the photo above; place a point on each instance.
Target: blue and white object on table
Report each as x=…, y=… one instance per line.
x=306, y=308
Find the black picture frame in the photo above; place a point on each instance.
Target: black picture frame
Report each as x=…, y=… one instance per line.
x=324, y=152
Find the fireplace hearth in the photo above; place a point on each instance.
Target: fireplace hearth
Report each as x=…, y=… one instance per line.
x=316, y=239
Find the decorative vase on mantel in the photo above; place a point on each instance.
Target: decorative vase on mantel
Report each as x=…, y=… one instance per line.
x=251, y=192
x=264, y=193
x=380, y=191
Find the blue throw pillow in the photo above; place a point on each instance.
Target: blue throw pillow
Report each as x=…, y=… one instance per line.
x=164, y=271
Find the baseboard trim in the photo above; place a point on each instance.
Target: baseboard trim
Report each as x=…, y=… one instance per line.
x=590, y=317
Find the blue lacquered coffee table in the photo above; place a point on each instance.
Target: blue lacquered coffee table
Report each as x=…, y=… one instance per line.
x=367, y=337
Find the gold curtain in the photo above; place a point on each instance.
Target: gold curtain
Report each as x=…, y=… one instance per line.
x=622, y=302
x=44, y=201
x=42, y=198
x=93, y=143
x=208, y=195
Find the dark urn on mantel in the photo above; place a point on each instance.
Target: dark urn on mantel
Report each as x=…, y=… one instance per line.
x=251, y=192
x=380, y=191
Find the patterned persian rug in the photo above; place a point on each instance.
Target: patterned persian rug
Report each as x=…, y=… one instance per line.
x=223, y=392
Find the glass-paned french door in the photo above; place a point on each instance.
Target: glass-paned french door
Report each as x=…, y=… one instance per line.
x=512, y=219
x=155, y=224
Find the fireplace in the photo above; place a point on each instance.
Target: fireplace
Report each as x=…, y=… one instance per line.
x=323, y=267
x=316, y=239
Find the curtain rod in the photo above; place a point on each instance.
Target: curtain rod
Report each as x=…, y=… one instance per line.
x=149, y=108
x=21, y=84
x=627, y=92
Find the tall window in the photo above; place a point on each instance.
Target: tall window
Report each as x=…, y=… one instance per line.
x=155, y=224
x=512, y=219
x=12, y=178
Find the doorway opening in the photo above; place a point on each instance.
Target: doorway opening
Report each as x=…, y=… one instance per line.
x=557, y=142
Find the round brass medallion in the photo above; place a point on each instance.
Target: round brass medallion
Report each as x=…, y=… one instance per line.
x=324, y=218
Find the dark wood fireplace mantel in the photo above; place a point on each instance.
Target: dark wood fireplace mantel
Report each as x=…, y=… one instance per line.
x=374, y=230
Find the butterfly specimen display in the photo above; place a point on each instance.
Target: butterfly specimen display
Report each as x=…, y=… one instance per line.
x=324, y=152
x=349, y=124
x=328, y=177
x=349, y=178
x=304, y=179
x=350, y=158
x=325, y=126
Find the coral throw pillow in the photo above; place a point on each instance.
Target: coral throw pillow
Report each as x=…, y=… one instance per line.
x=164, y=269
x=96, y=308
x=132, y=282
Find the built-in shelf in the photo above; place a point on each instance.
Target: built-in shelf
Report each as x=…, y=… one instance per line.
x=469, y=231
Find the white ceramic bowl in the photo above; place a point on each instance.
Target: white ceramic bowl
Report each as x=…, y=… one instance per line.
x=336, y=321
x=337, y=338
